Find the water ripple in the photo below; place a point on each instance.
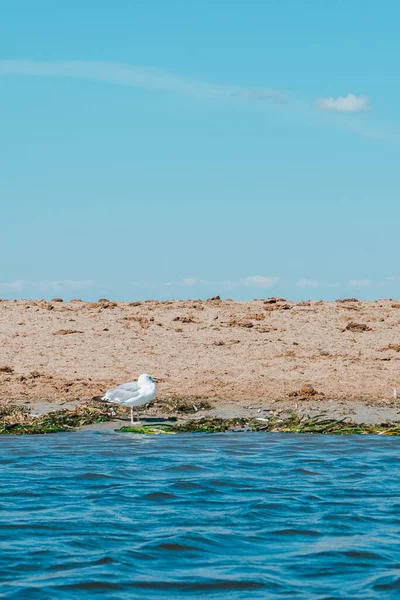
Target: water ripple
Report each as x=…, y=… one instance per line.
x=198, y=516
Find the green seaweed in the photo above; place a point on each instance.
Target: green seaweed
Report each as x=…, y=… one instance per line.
x=148, y=429
x=179, y=405
x=20, y=423
x=17, y=421
x=291, y=424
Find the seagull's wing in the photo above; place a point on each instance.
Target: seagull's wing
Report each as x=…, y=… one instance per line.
x=131, y=386
x=122, y=393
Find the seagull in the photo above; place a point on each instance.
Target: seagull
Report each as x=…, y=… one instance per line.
x=134, y=393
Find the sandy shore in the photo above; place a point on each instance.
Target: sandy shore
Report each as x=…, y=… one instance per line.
x=243, y=357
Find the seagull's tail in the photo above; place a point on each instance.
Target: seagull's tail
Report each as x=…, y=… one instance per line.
x=105, y=398
x=113, y=397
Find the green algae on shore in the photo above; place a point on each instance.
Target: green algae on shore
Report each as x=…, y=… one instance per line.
x=292, y=424
x=18, y=421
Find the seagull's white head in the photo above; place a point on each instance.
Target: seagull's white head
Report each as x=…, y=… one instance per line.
x=145, y=380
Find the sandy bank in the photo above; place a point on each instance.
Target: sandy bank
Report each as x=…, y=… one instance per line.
x=248, y=356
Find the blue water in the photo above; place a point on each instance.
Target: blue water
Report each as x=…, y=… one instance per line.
x=100, y=515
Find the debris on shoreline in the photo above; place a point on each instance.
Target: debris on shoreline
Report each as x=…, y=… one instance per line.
x=180, y=405
x=17, y=420
x=292, y=424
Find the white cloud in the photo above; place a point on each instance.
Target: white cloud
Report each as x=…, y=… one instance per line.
x=259, y=281
x=307, y=283
x=347, y=104
x=143, y=284
x=188, y=281
x=15, y=286
x=361, y=283
x=312, y=283
x=156, y=79
x=254, y=281
x=131, y=75
x=65, y=285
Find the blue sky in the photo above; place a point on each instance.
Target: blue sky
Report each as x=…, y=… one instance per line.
x=187, y=149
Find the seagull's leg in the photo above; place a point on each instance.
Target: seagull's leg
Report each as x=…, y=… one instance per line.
x=137, y=422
